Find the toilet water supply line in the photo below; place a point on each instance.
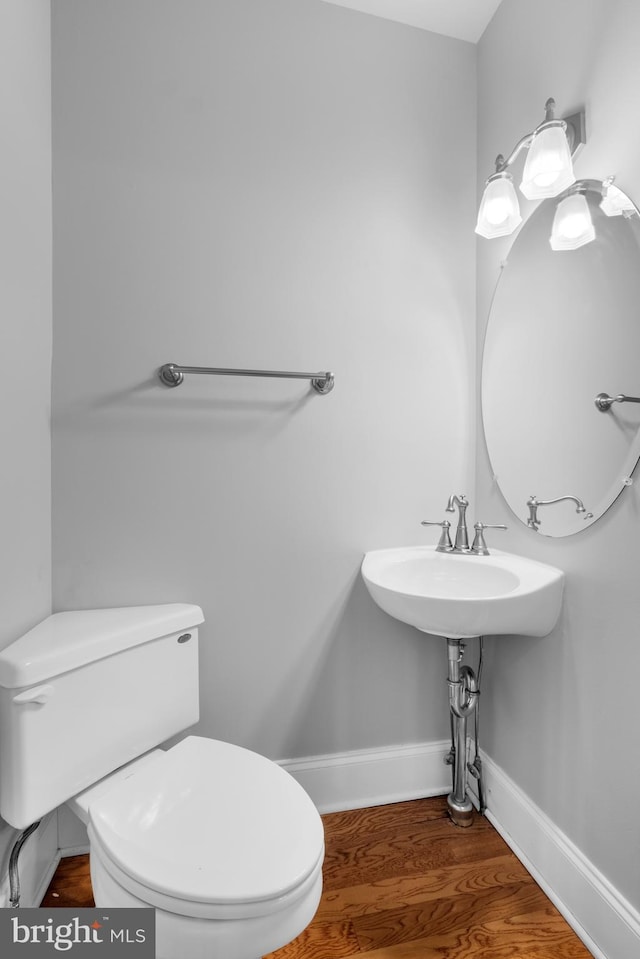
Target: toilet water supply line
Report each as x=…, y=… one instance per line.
x=14, y=878
x=464, y=694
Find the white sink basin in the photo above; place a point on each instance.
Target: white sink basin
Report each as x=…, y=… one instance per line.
x=459, y=595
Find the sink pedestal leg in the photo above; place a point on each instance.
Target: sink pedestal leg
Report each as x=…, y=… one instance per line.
x=463, y=698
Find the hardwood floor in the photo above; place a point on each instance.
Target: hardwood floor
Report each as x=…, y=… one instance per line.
x=402, y=882
x=70, y=886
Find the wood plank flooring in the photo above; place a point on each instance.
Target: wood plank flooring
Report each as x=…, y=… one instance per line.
x=402, y=882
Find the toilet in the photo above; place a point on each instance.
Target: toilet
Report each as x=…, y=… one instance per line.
x=223, y=843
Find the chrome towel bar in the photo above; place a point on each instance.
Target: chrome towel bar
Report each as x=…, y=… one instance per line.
x=172, y=375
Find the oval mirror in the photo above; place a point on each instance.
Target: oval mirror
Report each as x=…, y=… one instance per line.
x=564, y=326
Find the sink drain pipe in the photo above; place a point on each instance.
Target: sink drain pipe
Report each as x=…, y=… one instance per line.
x=463, y=701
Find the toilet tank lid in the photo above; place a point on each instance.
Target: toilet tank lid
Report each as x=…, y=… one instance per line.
x=68, y=640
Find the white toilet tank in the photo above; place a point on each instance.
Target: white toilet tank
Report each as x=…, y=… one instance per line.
x=85, y=692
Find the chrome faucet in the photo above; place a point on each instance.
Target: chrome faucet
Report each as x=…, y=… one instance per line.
x=534, y=504
x=461, y=544
x=462, y=536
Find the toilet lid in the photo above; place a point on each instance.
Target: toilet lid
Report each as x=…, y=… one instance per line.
x=213, y=823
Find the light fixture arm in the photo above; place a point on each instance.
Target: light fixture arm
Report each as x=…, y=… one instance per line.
x=524, y=143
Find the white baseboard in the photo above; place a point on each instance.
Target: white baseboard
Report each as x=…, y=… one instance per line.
x=373, y=777
x=606, y=922
x=72, y=833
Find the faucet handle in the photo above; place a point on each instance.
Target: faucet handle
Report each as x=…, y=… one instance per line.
x=479, y=547
x=444, y=543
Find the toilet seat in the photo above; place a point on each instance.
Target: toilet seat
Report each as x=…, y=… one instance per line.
x=209, y=830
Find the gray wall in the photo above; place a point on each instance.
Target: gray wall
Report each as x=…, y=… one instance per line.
x=279, y=184
x=559, y=714
x=25, y=309
x=25, y=320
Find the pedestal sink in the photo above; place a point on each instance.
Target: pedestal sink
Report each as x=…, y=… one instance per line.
x=460, y=595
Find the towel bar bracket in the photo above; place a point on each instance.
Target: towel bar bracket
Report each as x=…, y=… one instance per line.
x=604, y=402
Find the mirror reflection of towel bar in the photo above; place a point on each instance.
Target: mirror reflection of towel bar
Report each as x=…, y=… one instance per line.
x=172, y=375
x=604, y=402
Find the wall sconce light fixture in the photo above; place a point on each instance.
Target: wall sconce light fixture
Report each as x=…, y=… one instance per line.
x=572, y=223
x=548, y=171
x=499, y=212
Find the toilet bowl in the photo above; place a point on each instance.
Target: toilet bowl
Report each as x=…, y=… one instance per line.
x=221, y=842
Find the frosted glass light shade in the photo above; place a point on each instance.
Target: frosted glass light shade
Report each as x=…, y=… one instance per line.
x=616, y=203
x=548, y=169
x=499, y=212
x=572, y=224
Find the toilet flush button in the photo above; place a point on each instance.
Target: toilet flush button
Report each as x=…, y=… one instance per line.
x=39, y=694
